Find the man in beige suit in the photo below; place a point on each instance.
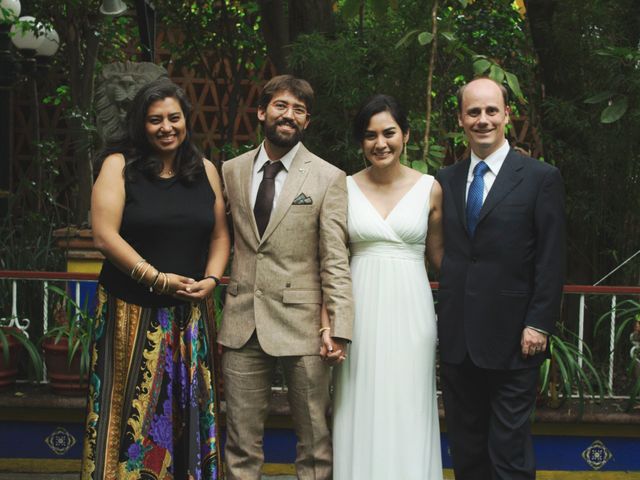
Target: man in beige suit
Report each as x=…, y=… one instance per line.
x=289, y=210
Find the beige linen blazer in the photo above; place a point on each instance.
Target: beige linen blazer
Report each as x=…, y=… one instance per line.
x=278, y=283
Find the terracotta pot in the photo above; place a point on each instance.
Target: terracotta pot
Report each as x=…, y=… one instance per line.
x=64, y=379
x=9, y=370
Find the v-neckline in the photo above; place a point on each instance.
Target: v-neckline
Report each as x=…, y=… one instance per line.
x=393, y=209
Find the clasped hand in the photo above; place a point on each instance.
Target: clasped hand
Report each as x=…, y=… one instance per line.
x=186, y=288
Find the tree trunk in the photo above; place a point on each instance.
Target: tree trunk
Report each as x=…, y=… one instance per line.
x=307, y=16
x=432, y=64
x=275, y=32
x=540, y=14
x=280, y=27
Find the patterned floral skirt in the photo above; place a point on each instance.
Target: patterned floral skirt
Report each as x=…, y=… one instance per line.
x=152, y=410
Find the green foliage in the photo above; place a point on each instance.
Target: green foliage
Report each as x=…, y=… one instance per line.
x=627, y=336
x=562, y=376
x=88, y=40
x=74, y=323
x=591, y=111
x=379, y=8
x=359, y=59
x=485, y=66
x=615, y=110
x=33, y=354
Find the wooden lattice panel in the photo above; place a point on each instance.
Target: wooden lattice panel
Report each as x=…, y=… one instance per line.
x=210, y=97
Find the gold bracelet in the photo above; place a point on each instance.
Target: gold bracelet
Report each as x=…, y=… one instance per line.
x=323, y=329
x=160, y=286
x=165, y=284
x=144, y=272
x=155, y=280
x=136, y=266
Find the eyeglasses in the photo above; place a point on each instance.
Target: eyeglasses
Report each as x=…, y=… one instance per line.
x=283, y=107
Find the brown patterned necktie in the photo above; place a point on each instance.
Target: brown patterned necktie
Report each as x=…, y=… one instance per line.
x=266, y=191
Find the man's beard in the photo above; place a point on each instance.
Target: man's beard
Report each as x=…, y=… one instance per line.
x=272, y=134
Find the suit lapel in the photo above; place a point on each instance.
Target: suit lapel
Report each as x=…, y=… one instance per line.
x=459, y=189
x=245, y=177
x=296, y=176
x=509, y=176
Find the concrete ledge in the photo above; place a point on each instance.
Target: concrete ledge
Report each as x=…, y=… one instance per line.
x=39, y=397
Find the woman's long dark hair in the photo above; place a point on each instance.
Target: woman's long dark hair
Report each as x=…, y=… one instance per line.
x=138, y=153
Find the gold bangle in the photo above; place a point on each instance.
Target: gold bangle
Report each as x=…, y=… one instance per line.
x=144, y=272
x=160, y=289
x=136, y=266
x=155, y=280
x=323, y=329
x=165, y=284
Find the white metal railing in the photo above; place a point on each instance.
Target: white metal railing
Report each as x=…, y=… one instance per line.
x=614, y=292
x=585, y=293
x=14, y=276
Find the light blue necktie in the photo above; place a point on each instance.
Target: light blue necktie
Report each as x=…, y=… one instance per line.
x=474, y=197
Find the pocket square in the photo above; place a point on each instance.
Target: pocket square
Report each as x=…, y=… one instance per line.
x=302, y=199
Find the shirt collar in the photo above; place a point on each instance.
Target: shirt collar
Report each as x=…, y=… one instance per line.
x=286, y=160
x=493, y=161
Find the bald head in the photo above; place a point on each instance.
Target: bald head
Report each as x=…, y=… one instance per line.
x=502, y=88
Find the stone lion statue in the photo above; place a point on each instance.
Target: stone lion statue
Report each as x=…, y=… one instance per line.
x=115, y=88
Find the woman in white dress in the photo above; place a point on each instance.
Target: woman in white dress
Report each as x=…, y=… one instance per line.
x=385, y=409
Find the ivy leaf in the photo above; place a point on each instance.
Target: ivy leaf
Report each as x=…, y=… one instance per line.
x=514, y=85
x=420, y=166
x=480, y=66
x=600, y=97
x=425, y=38
x=406, y=38
x=450, y=36
x=616, y=109
x=496, y=73
x=435, y=164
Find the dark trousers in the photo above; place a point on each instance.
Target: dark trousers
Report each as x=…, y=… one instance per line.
x=487, y=415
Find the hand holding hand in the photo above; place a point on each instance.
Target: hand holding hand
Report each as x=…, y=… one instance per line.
x=177, y=285
x=532, y=342
x=335, y=349
x=198, y=291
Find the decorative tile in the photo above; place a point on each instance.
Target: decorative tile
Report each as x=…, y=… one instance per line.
x=60, y=441
x=597, y=455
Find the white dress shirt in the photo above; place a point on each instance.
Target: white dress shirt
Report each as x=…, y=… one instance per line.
x=258, y=172
x=494, y=162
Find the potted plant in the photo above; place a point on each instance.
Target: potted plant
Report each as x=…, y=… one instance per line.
x=67, y=345
x=13, y=342
x=568, y=372
x=628, y=314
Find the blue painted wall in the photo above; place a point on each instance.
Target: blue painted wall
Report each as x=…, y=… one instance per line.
x=27, y=440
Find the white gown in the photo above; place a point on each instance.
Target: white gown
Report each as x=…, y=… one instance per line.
x=385, y=410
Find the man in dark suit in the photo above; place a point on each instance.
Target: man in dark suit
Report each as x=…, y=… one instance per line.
x=500, y=289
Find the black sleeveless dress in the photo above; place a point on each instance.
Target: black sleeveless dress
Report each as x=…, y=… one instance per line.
x=152, y=409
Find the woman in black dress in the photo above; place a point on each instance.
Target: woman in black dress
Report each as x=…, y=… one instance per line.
x=159, y=218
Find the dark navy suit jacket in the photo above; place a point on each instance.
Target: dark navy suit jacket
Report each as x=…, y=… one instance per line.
x=510, y=274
